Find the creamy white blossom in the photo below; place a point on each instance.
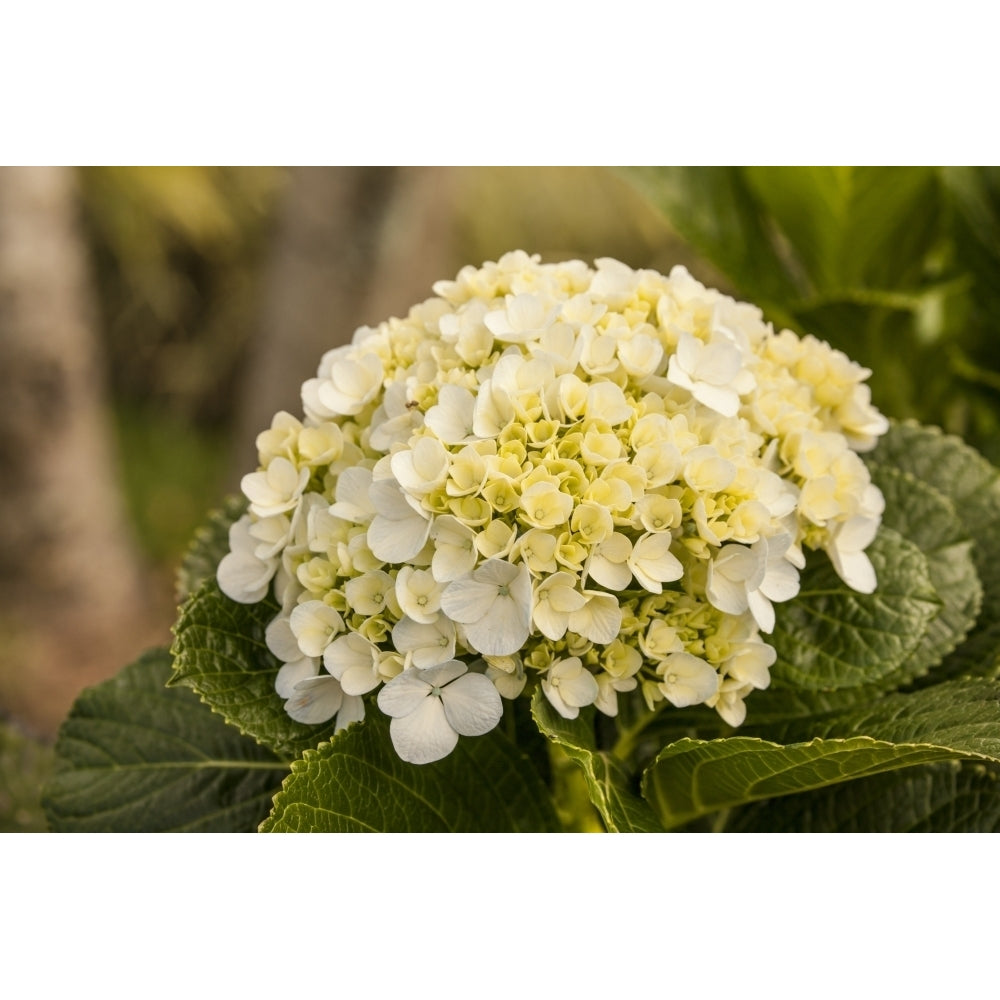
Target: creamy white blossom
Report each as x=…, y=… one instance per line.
x=597, y=482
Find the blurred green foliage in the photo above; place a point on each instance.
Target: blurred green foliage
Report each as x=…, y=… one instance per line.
x=173, y=471
x=25, y=765
x=178, y=253
x=899, y=267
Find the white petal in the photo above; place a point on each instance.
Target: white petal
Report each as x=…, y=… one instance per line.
x=580, y=690
x=347, y=652
x=556, y=701
x=687, y=680
x=351, y=710
x=762, y=610
x=244, y=578
x=731, y=709
x=503, y=631
x=725, y=594
x=722, y=400
x=472, y=705
x=403, y=694
x=424, y=735
x=551, y=623
x=857, y=533
x=359, y=680
x=600, y=621
x=509, y=685
x=397, y=541
x=353, y=503
x=427, y=644
x=281, y=641
x=451, y=417
x=316, y=700
x=443, y=673
x=614, y=576
x=292, y=672
x=719, y=363
x=781, y=582
x=855, y=569
x=467, y=600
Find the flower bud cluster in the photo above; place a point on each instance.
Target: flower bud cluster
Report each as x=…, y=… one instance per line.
x=596, y=480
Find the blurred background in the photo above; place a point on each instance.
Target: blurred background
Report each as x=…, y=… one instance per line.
x=152, y=320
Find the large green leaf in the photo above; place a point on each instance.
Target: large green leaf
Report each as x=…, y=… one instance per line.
x=608, y=782
x=831, y=637
x=975, y=194
x=955, y=720
x=219, y=651
x=926, y=517
x=948, y=797
x=973, y=486
x=137, y=756
x=852, y=227
x=356, y=783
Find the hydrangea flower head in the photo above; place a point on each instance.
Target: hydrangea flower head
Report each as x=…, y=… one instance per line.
x=596, y=482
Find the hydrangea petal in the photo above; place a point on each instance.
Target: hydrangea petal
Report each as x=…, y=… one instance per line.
x=403, y=694
x=316, y=699
x=472, y=705
x=292, y=673
x=424, y=735
x=352, y=709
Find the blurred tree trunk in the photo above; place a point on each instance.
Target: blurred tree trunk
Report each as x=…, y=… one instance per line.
x=72, y=603
x=354, y=245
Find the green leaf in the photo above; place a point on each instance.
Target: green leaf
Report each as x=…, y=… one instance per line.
x=853, y=227
x=975, y=194
x=949, y=797
x=928, y=518
x=219, y=651
x=955, y=720
x=136, y=756
x=831, y=637
x=692, y=778
x=207, y=548
x=357, y=784
x=973, y=486
x=607, y=779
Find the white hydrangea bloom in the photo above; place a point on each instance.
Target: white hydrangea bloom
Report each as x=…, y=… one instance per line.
x=598, y=482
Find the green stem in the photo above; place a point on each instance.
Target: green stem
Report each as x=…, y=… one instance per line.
x=629, y=737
